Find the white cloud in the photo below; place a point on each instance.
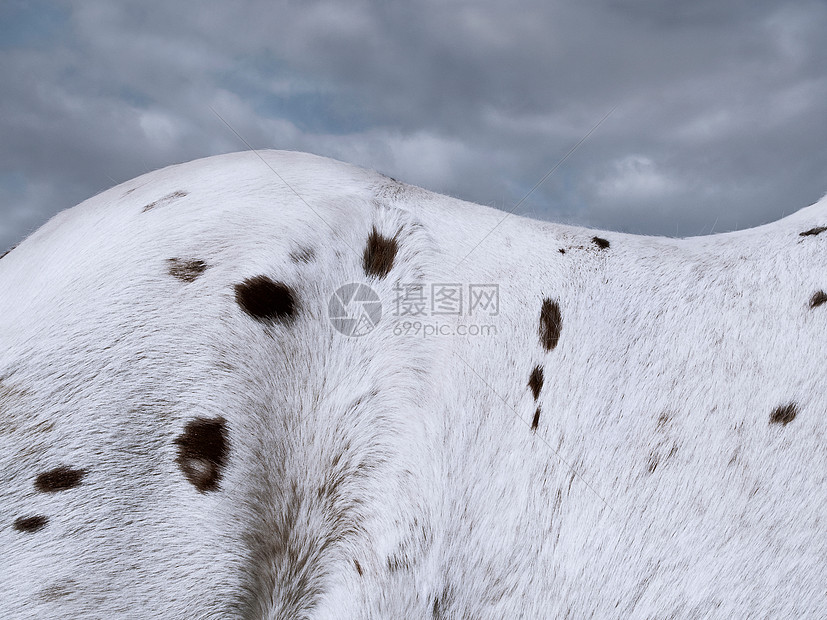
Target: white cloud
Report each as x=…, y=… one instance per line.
x=636, y=177
x=161, y=130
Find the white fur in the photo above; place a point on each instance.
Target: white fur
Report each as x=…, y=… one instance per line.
x=412, y=456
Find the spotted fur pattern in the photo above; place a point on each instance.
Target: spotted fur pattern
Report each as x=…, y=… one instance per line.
x=183, y=434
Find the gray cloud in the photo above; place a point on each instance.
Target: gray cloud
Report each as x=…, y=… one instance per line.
x=718, y=120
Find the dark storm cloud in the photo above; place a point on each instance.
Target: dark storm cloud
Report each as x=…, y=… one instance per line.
x=718, y=119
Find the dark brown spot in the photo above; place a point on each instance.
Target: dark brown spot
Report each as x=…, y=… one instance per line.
x=303, y=255
x=165, y=200
x=30, y=524
x=551, y=322
x=601, y=242
x=186, y=270
x=818, y=298
x=264, y=299
x=784, y=414
x=202, y=452
x=562, y=251
x=536, y=420
x=813, y=231
x=58, y=590
x=380, y=253
x=59, y=479
x=439, y=610
x=652, y=465
x=535, y=381
x=397, y=563
x=358, y=567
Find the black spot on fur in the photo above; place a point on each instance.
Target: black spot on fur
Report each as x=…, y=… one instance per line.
x=202, y=452
x=535, y=381
x=303, y=255
x=440, y=606
x=813, y=231
x=818, y=298
x=784, y=414
x=601, y=242
x=186, y=270
x=59, y=479
x=165, y=200
x=358, y=567
x=264, y=299
x=551, y=322
x=536, y=420
x=30, y=524
x=562, y=251
x=380, y=253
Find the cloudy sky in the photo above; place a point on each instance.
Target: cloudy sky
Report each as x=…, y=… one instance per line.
x=719, y=113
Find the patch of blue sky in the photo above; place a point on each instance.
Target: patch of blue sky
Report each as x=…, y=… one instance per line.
x=13, y=188
x=12, y=184
x=134, y=98
x=313, y=106
x=32, y=24
x=317, y=112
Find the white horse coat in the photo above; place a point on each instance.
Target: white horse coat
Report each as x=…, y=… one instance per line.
x=635, y=429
